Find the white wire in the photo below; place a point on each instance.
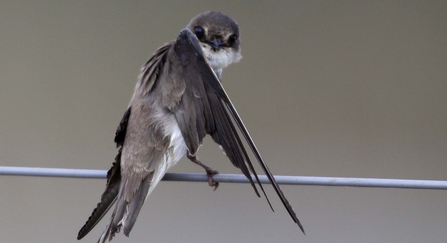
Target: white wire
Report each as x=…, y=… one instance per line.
x=236, y=178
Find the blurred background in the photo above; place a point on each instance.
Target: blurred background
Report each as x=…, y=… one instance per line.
x=326, y=88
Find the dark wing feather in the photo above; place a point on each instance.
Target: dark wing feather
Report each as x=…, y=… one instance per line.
x=113, y=181
x=215, y=107
x=226, y=135
x=193, y=113
x=201, y=112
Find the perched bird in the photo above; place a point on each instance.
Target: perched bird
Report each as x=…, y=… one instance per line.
x=178, y=100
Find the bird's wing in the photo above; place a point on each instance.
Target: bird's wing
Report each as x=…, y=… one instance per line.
x=113, y=181
x=205, y=108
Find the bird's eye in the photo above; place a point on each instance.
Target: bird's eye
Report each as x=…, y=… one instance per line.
x=232, y=38
x=199, y=32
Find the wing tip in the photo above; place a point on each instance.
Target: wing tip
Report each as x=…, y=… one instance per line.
x=88, y=226
x=301, y=226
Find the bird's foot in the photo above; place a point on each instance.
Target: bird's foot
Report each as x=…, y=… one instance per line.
x=211, y=172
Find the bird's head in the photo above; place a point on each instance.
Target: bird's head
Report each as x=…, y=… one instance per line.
x=219, y=38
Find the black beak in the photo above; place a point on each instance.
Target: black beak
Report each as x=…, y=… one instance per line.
x=216, y=44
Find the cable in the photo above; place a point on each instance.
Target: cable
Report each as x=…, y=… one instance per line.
x=236, y=178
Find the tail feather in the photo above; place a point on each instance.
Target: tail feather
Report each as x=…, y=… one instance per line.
x=134, y=207
x=129, y=204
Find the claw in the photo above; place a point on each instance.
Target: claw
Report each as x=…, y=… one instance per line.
x=209, y=171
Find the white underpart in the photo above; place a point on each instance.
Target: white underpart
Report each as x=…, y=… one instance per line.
x=176, y=149
x=221, y=58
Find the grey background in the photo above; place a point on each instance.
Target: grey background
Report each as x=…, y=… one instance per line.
x=326, y=88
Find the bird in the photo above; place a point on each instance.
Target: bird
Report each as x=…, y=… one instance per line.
x=177, y=101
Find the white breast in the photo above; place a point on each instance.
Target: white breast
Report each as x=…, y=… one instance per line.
x=222, y=58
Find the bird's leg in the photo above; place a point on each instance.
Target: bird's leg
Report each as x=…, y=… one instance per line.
x=209, y=171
